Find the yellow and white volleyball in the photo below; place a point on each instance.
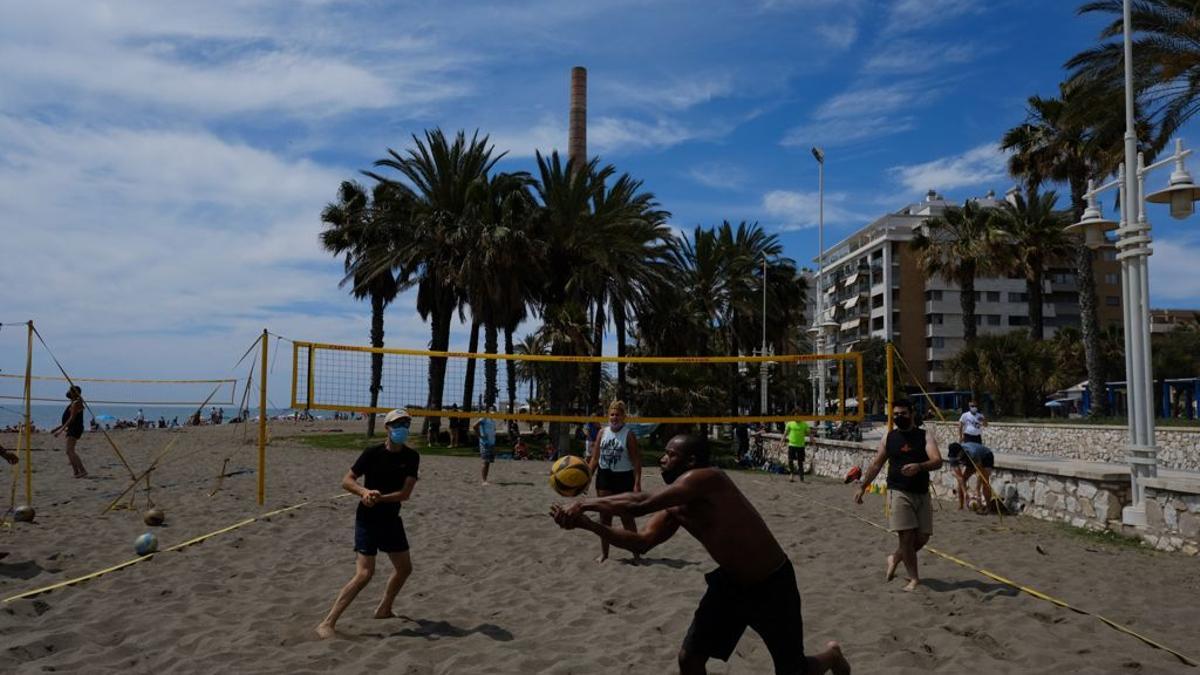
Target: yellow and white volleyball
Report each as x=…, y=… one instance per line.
x=569, y=476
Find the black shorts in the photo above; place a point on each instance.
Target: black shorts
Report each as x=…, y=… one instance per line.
x=387, y=536
x=972, y=438
x=985, y=459
x=771, y=607
x=615, y=482
x=796, y=453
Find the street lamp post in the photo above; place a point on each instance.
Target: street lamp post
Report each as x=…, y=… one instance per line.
x=762, y=385
x=1133, y=239
x=818, y=320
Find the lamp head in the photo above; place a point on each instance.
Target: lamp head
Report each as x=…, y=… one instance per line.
x=819, y=154
x=1181, y=192
x=1092, y=227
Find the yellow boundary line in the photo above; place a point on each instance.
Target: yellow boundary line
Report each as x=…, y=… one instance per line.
x=1020, y=587
x=176, y=547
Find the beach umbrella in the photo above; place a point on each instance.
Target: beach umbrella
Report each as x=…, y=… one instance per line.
x=105, y=418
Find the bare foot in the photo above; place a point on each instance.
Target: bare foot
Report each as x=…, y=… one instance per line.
x=602, y=558
x=892, y=564
x=325, y=631
x=838, y=664
x=382, y=613
x=485, y=483
x=912, y=585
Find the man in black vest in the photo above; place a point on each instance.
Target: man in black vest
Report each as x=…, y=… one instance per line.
x=911, y=454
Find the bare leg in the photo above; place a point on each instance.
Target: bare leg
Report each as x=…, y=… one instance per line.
x=403, y=568
x=483, y=472
x=607, y=522
x=792, y=470
x=364, y=569
x=985, y=486
x=965, y=484
x=829, y=660
x=73, y=458
x=908, y=554
x=631, y=525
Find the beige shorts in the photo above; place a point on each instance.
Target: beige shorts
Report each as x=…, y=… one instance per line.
x=910, y=511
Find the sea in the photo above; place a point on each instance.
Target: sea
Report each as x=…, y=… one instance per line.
x=49, y=416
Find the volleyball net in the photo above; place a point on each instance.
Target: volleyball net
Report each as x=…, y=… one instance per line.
x=550, y=388
x=113, y=391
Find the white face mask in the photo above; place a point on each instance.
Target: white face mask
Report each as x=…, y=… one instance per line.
x=974, y=409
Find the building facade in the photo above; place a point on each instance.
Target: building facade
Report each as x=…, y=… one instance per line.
x=873, y=287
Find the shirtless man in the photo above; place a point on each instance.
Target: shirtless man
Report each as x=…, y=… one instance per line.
x=754, y=584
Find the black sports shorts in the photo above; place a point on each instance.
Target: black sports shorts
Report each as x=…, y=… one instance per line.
x=615, y=482
x=771, y=607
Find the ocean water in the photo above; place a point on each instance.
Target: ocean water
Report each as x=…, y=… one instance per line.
x=49, y=416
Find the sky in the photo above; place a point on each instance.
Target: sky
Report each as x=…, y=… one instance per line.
x=163, y=165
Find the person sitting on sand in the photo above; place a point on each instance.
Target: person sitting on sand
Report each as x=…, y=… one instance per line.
x=391, y=472
x=72, y=424
x=968, y=459
x=755, y=583
x=911, y=454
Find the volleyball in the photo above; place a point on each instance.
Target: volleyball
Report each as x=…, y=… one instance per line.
x=569, y=476
x=23, y=514
x=146, y=544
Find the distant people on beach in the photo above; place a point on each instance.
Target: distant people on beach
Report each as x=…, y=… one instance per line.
x=72, y=426
x=755, y=583
x=140, y=419
x=389, y=472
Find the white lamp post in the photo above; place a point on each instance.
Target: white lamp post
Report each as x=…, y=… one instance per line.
x=1133, y=244
x=820, y=324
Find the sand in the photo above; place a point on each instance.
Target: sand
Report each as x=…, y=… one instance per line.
x=497, y=588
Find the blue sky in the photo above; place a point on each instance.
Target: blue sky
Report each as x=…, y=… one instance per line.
x=163, y=165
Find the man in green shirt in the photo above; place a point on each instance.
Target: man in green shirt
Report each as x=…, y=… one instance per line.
x=797, y=439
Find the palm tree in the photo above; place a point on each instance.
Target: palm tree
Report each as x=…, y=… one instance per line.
x=1166, y=71
x=959, y=246
x=443, y=176
x=1068, y=139
x=533, y=372
x=1012, y=367
x=1034, y=237
x=356, y=228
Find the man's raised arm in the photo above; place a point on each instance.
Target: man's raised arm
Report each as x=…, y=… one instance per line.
x=688, y=488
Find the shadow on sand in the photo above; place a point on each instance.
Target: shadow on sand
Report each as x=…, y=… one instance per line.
x=971, y=584
x=436, y=630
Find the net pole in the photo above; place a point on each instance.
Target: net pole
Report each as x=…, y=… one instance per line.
x=28, y=435
x=890, y=384
x=841, y=367
x=262, y=423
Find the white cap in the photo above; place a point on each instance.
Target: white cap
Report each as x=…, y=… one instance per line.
x=397, y=414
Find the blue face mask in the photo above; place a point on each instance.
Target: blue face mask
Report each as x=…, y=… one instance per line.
x=398, y=435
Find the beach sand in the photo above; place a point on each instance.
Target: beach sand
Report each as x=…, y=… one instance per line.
x=497, y=588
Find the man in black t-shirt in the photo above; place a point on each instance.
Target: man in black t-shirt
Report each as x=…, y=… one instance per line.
x=911, y=454
x=390, y=472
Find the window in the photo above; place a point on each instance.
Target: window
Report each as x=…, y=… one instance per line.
x=877, y=301
x=1112, y=301
x=933, y=295
x=1109, y=254
x=993, y=319
x=935, y=342
x=1111, y=279
x=978, y=296
x=933, y=319
x=1018, y=320
x=993, y=296
x=1018, y=297
x=877, y=323
x=935, y=365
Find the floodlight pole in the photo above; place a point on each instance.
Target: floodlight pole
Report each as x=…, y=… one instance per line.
x=819, y=155
x=763, y=366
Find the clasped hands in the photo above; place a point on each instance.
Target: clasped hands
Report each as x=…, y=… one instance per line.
x=567, y=517
x=370, y=497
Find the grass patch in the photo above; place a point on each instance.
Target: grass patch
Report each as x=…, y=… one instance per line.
x=1106, y=537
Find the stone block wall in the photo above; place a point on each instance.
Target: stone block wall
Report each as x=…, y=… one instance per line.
x=1178, y=447
x=1172, y=521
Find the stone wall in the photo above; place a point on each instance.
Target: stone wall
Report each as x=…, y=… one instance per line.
x=1178, y=447
x=1069, y=491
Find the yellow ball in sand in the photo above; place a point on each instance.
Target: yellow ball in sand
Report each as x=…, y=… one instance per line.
x=570, y=475
x=23, y=514
x=154, y=517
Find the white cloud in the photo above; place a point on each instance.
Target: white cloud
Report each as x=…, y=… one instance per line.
x=838, y=132
x=1173, y=278
x=840, y=34
x=913, y=57
x=793, y=210
x=605, y=136
x=719, y=175
x=679, y=94
x=912, y=15
x=861, y=113
x=979, y=165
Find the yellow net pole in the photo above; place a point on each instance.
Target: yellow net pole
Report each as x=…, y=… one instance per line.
x=28, y=435
x=262, y=423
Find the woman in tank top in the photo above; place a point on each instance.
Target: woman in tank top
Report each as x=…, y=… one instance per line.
x=617, y=466
x=72, y=424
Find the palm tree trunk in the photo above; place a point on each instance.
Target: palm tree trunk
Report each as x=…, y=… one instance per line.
x=597, y=350
x=469, y=384
x=1089, y=320
x=1033, y=289
x=508, y=369
x=443, y=312
x=377, y=306
x=967, y=301
x=490, y=388
x=619, y=327
x=735, y=379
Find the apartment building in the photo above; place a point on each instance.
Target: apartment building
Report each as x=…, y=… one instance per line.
x=1167, y=320
x=872, y=287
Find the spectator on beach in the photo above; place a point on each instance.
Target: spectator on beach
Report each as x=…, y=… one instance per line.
x=967, y=460
x=797, y=439
x=72, y=425
x=485, y=428
x=911, y=454
x=390, y=472
x=616, y=463
x=514, y=433
x=454, y=425
x=741, y=431
x=11, y=458
x=971, y=424
x=140, y=419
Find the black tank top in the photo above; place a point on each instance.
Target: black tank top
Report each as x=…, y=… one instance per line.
x=76, y=428
x=906, y=447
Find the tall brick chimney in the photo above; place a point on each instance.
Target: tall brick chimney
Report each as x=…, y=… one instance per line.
x=577, y=138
